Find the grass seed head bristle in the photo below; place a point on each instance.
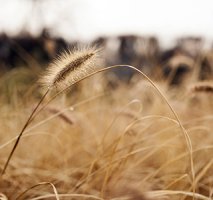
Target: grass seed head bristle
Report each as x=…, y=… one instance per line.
x=70, y=67
x=205, y=87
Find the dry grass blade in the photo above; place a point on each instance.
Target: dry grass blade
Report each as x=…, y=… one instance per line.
x=164, y=193
x=39, y=184
x=61, y=115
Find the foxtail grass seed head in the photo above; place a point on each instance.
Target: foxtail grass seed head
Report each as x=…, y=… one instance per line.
x=205, y=87
x=70, y=67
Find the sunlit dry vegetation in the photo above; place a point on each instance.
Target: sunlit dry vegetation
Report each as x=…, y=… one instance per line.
x=142, y=140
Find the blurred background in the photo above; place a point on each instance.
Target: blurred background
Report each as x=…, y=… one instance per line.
x=163, y=38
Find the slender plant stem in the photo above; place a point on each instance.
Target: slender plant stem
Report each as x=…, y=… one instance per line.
x=22, y=131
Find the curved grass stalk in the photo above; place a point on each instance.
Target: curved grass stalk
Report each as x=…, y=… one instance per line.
x=39, y=184
x=29, y=120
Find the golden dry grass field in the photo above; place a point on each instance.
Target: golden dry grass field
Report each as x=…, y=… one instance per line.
x=99, y=142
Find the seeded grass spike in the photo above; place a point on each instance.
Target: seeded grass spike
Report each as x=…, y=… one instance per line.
x=206, y=87
x=68, y=69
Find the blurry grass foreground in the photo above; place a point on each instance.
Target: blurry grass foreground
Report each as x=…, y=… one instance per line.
x=122, y=143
